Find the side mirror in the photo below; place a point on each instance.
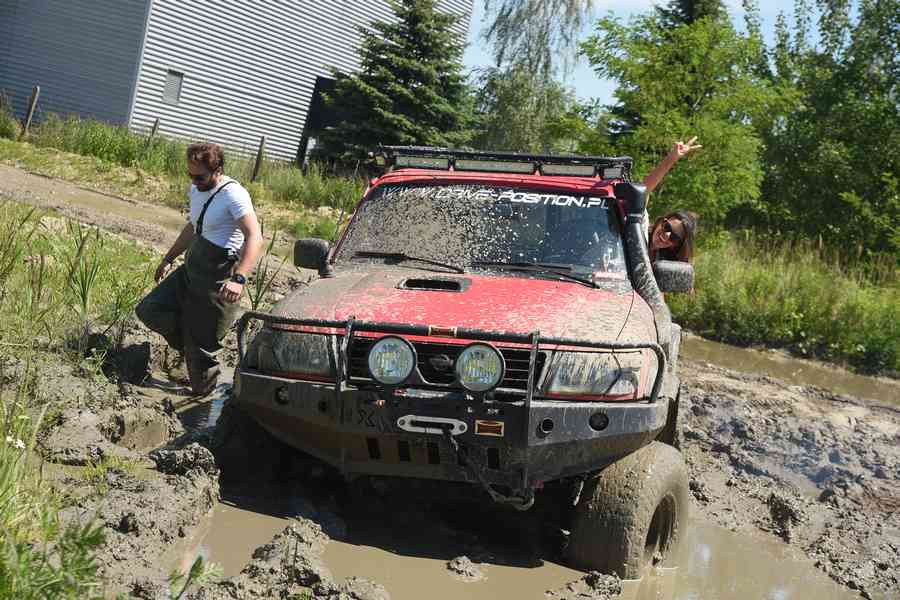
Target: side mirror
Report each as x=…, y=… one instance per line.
x=674, y=276
x=312, y=253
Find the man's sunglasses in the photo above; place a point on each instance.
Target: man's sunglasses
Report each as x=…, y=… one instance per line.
x=201, y=178
x=667, y=228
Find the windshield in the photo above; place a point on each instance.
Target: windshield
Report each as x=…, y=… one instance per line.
x=475, y=226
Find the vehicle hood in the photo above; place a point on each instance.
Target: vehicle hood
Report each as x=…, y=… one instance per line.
x=511, y=304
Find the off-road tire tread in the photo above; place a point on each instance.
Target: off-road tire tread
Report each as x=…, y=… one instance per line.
x=611, y=520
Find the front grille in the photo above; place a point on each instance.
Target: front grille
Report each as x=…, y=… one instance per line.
x=517, y=359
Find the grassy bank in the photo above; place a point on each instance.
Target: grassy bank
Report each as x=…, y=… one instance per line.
x=128, y=164
x=58, y=281
x=752, y=291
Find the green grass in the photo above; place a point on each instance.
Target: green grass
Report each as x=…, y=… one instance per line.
x=59, y=280
x=96, y=474
x=753, y=291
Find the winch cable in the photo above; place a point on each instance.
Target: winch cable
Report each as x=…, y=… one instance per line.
x=477, y=471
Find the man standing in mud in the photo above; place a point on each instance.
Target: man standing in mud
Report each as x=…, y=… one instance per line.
x=195, y=306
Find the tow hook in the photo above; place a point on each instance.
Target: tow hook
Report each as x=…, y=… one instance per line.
x=477, y=470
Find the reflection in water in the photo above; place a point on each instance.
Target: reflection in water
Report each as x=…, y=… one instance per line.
x=791, y=370
x=717, y=563
x=198, y=414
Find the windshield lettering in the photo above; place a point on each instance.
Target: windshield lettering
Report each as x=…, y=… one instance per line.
x=484, y=227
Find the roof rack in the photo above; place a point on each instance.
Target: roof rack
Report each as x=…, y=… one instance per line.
x=446, y=159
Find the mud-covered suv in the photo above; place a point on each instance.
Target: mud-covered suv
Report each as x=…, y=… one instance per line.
x=489, y=318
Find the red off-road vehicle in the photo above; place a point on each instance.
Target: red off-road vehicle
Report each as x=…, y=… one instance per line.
x=490, y=318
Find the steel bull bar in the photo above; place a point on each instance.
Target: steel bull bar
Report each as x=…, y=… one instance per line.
x=534, y=340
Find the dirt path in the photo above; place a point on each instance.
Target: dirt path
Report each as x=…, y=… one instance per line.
x=148, y=223
x=801, y=467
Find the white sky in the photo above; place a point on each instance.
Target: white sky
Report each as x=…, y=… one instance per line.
x=582, y=79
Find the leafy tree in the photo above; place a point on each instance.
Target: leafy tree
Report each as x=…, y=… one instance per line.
x=834, y=157
x=410, y=88
x=533, y=34
x=520, y=112
x=698, y=79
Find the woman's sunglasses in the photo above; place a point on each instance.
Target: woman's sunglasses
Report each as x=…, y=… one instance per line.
x=667, y=228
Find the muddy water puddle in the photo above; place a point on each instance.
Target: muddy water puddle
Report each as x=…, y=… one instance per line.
x=412, y=563
x=791, y=370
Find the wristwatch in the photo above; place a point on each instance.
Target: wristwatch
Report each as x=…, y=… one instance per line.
x=238, y=278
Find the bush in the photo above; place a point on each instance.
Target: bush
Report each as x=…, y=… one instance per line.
x=757, y=291
x=117, y=145
x=312, y=187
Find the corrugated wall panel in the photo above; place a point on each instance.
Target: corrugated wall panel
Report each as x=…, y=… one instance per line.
x=250, y=67
x=83, y=54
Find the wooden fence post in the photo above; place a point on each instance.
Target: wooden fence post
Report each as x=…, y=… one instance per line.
x=35, y=92
x=152, y=135
x=259, y=155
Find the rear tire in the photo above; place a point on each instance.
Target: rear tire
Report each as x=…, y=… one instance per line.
x=633, y=514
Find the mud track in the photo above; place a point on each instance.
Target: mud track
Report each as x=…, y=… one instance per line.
x=816, y=471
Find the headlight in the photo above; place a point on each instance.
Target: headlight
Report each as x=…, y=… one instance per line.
x=593, y=374
x=391, y=360
x=479, y=368
x=296, y=353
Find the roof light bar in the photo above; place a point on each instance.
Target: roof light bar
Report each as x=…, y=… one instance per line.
x=427, y=157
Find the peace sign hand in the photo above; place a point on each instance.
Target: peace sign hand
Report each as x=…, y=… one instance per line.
x=681, y=149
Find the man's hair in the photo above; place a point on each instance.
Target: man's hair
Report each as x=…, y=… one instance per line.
x=207, y=154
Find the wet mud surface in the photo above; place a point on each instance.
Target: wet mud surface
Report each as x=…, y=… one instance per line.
x=795, y=495
x=780, y=474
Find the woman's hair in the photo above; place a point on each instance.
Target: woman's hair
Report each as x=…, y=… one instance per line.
x=207, y=154
x=684, y=252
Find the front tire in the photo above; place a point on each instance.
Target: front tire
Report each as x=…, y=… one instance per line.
x=633, y=514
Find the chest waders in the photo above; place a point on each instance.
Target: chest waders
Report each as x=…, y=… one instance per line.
x=186, y=310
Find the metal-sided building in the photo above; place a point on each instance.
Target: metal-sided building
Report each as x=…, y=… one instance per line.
x=228, y=71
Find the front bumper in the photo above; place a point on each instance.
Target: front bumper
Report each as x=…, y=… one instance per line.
x=446, y=434
x=360, y=432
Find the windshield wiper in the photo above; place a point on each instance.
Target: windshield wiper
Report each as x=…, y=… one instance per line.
x=562, y=270
x=401, y=256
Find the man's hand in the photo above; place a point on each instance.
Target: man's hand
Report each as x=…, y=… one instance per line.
x=231, y=291
x=681, y=149
x=162, y=269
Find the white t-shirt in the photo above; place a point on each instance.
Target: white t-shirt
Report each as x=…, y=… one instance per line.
x=220, y=222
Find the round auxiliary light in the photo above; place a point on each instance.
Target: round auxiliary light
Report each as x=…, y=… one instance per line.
x=391, y=360
x=479, y=367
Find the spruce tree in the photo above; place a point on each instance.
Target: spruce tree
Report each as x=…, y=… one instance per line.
x=687, y=12
x=410, y=89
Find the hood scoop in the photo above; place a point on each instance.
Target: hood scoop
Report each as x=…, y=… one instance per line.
x=435, y=284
